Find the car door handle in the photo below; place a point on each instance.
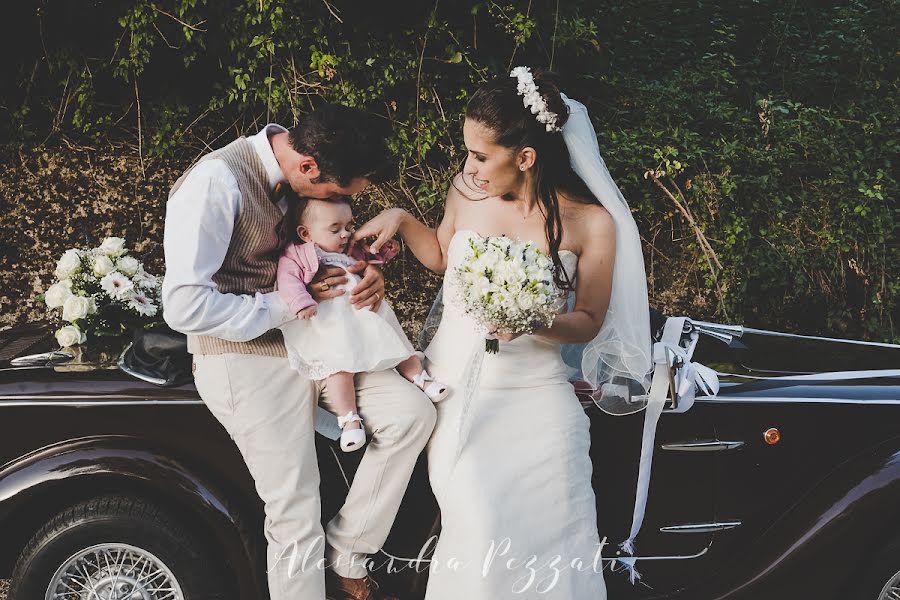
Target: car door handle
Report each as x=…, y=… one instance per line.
x=702, y=446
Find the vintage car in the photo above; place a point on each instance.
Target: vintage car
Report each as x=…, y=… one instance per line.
x=114, y=487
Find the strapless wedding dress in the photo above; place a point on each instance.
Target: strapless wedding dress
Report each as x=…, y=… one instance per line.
x=518, y=512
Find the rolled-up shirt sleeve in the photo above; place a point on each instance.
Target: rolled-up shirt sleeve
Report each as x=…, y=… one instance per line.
x=200, y=219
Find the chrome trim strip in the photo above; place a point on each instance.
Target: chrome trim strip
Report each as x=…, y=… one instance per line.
x=35, y=401
x=720, y=400
x=95, y=400
x=42, y=359
x=700, y=527
x=670, y=557
x=704, y=446
x=325, y=422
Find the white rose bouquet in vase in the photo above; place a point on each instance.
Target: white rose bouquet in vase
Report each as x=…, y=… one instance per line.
x=103, y=291
x=507, y=285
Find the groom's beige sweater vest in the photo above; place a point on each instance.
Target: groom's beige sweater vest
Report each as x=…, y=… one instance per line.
x=250, y=265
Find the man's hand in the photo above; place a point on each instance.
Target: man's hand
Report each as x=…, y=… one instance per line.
x=326, y=284
x=370, y=290
x=308, y=312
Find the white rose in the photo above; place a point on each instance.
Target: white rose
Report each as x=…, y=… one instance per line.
x=112, y=246
x=68, y=264
x=128, y=265
x=480, y=288
x=58, y=293
x=480, y=265
x=525, y=300
x=102, y=265
x=516, y=274
x=69, y=336
x=76, y=307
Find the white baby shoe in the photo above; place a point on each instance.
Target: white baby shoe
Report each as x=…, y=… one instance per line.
x=435, y=390
x=351, y=439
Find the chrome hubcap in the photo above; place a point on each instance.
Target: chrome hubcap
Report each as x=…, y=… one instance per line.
x=891, y=590
x=113, y=572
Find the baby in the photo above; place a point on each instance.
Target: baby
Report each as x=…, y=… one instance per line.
x=333, y=340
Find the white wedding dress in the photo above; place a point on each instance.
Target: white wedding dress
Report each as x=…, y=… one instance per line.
x=522, y=481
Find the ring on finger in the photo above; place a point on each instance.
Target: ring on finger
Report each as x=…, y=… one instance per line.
x=325, y=286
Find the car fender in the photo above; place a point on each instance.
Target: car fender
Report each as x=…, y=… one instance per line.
x=837, y=527
x=51, y=478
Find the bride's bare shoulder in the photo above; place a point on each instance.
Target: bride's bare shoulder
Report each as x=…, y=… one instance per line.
x=589, y=221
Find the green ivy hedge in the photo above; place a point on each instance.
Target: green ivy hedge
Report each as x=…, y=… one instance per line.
x=753, y=138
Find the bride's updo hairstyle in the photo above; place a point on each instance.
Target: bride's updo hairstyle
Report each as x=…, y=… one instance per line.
x=498, y=106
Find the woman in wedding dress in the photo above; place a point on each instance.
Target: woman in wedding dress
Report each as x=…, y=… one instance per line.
x=518, y=512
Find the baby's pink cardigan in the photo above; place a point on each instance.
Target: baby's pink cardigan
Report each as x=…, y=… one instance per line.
x=299, y=264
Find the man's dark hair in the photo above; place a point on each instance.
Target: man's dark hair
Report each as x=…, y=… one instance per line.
x=346, y=142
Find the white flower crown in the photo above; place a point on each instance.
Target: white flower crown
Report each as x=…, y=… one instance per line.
x=533, y=100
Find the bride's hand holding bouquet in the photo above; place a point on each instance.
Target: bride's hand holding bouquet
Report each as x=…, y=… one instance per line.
x=507, y=287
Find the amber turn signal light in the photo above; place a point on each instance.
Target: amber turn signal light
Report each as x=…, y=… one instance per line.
x=772, y=436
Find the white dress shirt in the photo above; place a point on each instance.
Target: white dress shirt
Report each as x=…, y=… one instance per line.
x=200, y=219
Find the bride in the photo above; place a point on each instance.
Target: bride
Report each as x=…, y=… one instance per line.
x=518, y=511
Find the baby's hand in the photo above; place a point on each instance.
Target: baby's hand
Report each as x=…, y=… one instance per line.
x=308, y=312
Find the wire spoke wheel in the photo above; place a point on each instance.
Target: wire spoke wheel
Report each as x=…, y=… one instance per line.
x=891, y=590
x=113, y=572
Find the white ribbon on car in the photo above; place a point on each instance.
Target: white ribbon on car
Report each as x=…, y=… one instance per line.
x=688, y=377
x=827, y=376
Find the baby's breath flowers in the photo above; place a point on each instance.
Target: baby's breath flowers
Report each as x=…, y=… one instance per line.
x=507, y=285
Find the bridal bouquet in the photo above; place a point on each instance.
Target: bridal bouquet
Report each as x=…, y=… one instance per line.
x=507, y=284
x=102, y=291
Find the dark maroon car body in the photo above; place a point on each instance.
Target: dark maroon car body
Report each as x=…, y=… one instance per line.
x=730, y=516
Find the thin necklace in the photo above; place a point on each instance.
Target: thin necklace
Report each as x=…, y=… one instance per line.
x=525, y=195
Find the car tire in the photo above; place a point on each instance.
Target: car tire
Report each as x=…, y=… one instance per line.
x=117, y=541
x=885, y=570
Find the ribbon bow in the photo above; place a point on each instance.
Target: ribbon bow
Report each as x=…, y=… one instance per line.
x=688, y=376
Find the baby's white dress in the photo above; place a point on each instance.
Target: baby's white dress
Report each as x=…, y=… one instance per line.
x=343, y=338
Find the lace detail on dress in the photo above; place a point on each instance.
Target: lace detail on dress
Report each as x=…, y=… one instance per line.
x=332, y=259
x=314, y=370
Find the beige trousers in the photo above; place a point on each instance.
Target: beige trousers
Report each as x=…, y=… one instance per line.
x=268, y=410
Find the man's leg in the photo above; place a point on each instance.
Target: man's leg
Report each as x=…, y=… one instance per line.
x=399, y=419
x=268, y=410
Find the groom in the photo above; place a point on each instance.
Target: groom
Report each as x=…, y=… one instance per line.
x=225, y=227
